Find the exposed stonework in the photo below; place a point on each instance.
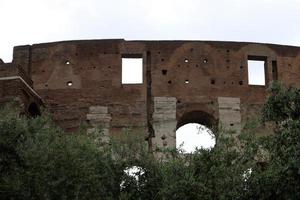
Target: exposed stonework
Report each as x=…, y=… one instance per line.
x=229, y=113
x=183, y=82
x=164, y=122
x=99, y=120
x=17, y=87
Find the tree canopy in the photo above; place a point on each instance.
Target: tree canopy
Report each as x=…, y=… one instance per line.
x=39, y=161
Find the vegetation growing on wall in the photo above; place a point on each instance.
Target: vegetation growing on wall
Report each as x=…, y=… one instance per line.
x=39, y=161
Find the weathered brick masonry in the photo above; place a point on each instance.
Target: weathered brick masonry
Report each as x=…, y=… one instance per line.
x=183, y=82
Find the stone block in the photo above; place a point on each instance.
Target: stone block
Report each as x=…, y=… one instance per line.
x=164, y=116
x=229, y=103
x=229, y=113
x=169, y=102
x=98, y=117
x=98, y=109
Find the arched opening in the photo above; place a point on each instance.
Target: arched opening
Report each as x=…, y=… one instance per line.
x=33, y=110
x=192, y=136
x=195, y=130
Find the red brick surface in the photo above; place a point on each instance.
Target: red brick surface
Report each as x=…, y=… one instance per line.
x=214, y=69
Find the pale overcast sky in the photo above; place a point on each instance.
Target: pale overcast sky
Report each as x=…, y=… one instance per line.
x=192, y=136
x=35, y=21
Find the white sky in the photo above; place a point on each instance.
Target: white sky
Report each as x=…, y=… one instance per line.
x=256, y=72
x=192, y=136
x=132, y=70
x=36, y=21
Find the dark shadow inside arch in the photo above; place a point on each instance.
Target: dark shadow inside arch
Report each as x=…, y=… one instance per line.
x=33, y=110
x=198, y=117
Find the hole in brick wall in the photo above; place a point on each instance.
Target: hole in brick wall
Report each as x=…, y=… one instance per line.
x=46, y=85
x=178, y=101
x=228, y=60
x=274, y=70
x=231, y=124
x=69, y=83
x=186, y=81
x=227, y=67
x=241, y=82
x=169, y=82
x=232, y=83
x=109, y=67
x=228, y=50
x=192, y=49
x=197, y=65
x=165, y=143
x=192, y=136
x=164, y=72
x=178, y=65
x=205, y=60
x=212, y=81
x=162, y=59
x=67, y=62
x=256, y=72
x=34, y=110
x=186, y=60
x=132, y=70
x=241, y=67
x=224, y=82
x=158, y=52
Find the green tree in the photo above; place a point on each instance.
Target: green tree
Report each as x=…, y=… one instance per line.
x=280, y=177
x=39, y=161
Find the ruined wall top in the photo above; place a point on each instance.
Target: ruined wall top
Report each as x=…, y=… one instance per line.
x=72, y=76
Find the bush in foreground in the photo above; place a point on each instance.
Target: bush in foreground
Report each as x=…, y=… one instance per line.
x=40, y=161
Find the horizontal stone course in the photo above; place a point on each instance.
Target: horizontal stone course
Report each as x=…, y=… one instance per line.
x=98, y=109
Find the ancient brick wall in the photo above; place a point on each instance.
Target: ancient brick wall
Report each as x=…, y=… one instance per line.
x=183, y=81
x=16, y=86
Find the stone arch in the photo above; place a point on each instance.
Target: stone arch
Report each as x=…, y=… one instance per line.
x=263, y=53
x=33, y=110
x=205, y=113
x=196, y=129
x=258, y=50
x=197, y=116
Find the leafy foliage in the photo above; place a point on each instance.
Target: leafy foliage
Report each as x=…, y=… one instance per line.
x=40, y=161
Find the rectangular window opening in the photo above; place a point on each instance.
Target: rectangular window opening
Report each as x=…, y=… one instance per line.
x=256, y=71
x=132, y=70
